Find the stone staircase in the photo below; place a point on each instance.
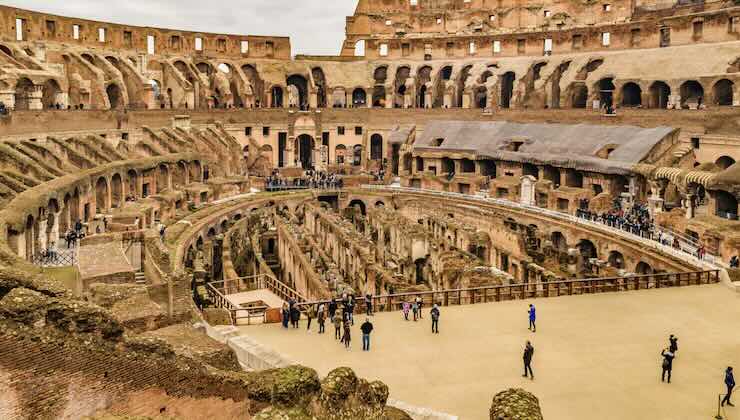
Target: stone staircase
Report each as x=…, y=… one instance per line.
x=139, y=277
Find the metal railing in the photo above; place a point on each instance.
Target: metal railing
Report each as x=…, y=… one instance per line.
x=56, y=258
x=485, y=294
x=686, y=250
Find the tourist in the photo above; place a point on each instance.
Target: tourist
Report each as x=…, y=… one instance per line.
x=435, y=319
x=332, y=309
x=730, y=383
x=528, y=353
x=51, y=252
x=310, y=314
x=78, y=228
x=337, y=327
x=415, y=309
x=406, y=307
x=673, y=344
x=286, y=315
x=350, y=305
x=295, y=315
x=369, y=304
x=532, y=318
x=346, y=338
x=366, y=328
x=419, y=304
x=321, y=318
x=668, y=357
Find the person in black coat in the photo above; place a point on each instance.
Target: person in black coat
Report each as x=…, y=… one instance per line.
x=673, y=346
x=528, y=353
x=730, y=383
x=668, y=357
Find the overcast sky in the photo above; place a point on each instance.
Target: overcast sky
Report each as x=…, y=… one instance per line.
x=314, y=26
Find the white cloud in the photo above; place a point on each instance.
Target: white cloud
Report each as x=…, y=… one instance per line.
x=314, y=26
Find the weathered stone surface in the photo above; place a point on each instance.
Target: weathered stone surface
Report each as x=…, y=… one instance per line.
x=515, y=404
x=107, y=295
x=217, y=316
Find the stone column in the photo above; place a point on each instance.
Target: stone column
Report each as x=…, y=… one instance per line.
x=369, y=97
x=54, y=234
x=390, y=96
x=42, y=239
x=34, y=99
x=689, y=205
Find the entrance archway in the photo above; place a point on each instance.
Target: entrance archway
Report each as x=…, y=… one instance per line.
x=305, y=146
x=722, y=93
x=659, y=93
x=114, y=95
x=376, y=147
x=692, y=94
x=507, y=89
x=359, y=98
x=50, y=93
x=631, y=95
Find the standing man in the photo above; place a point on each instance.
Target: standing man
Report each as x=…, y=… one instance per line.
x=310, y=314
x=730, y=382
x=673, y=346
x=337, y=327
x=668, y=357
x=332, y=309
x=321, y=318
x=419, y=304
x=532, y=318
x=528, y=353
x=366, y=328
x=369, y=304
x=435, y=319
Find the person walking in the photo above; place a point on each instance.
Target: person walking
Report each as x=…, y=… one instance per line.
x=419, y=304
x=435, y=319
x=346, y=338
x=366, y=328
x=668, y=357
x=337, y=327
x=295, y=315
x=406, y=308
x=528, y=353
x=369, y=305
x=730, y=383
x=532, y=318
x=415, y=309
x=321, y=318
x=350, y=305
x=673, y=344
x=310, y=314
x=332, y=309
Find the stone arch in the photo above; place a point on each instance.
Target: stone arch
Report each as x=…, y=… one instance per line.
x=722, y=92
x=163, y=177
x=660, y=93
x=380, y=75
x=725, y=162
x=357, y=155
x=467, y=166
x=116, y=191
x=643, y=268
x=480, y=98
x=579, y=95
x=402, y=73
x=319, y=79
x=559, y=241
x=195, y=171
x=692, y=94
x=204, y=67
x=507, y=89
x=606, y=90
x=616, y=260
x=50, y=94
x=101, y=195
x=376, y=147
x=180, y=175
x=726, y=205
x=133, y=183
x=631, y=95
x=448, y=166
x=423, y=78
x=113, y=91
x=587, y=249
x=301, y=84
x=304, y=149
x=24, y=90
x=340, y=154
x=379, y=204
x=552, y=174
x=443, y=75
x=359, y=98
x=357, y=203
x=462, y=79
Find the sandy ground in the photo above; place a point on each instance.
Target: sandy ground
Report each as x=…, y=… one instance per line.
x=596, y=356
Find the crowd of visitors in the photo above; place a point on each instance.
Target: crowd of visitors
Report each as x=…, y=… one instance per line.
x=310, y=179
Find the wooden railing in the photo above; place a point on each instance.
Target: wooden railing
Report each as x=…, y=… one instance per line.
x=486, y=294
x=218, y=291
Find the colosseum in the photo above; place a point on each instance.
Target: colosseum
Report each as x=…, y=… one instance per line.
x=181, y=213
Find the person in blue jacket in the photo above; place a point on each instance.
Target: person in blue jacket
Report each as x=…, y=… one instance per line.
x=532, y=318
x=730, y=382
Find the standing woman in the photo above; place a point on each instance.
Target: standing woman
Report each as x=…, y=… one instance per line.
x=346, y=338
x=286, y=315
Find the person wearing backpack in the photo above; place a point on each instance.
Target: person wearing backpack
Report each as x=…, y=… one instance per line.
x=435, y=319
x=668, y=357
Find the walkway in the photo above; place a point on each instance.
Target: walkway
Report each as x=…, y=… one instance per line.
x=597, y=356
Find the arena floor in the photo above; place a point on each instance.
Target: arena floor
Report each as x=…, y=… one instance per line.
x=596, y=356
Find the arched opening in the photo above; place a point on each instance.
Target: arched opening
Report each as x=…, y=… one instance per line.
x=725, y=162
x=254, y=79
x=340, y=154
x=379, y=204
x=606, y=92
x=726, y=205
x=552, y=174
x=531, y=170
x=320, y=81
x=631, y=95
x=722, y=93
x=301, y=85
x=587, y=249
x=114, y=95
x=50, y=95
x=419, y=164
x=692, y=94
x=305, y=146
x=358, y=205
x=133, y=185
x=101, y=195
x=402, y=74
x=180, y=176
x=507, y=89
x=643, y=268
x=23, y=93
x=116, y=191
x=481, y=97
x=204, y=68
x=659, y=94
x=376, y=147
x=196, y=171
x=574, y=178
x=360, y=48
x=357, y=155
x=6, y=50
x=359, y=98
x=163, y=178
x=579, y=95
x=423, y=78
x=380, y=75
x=419, y=265
x=558, y=241
x=616, y=260
x=461, y=82
x=277, y=97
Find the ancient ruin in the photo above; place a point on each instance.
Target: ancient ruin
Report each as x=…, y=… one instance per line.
x=164, y=194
